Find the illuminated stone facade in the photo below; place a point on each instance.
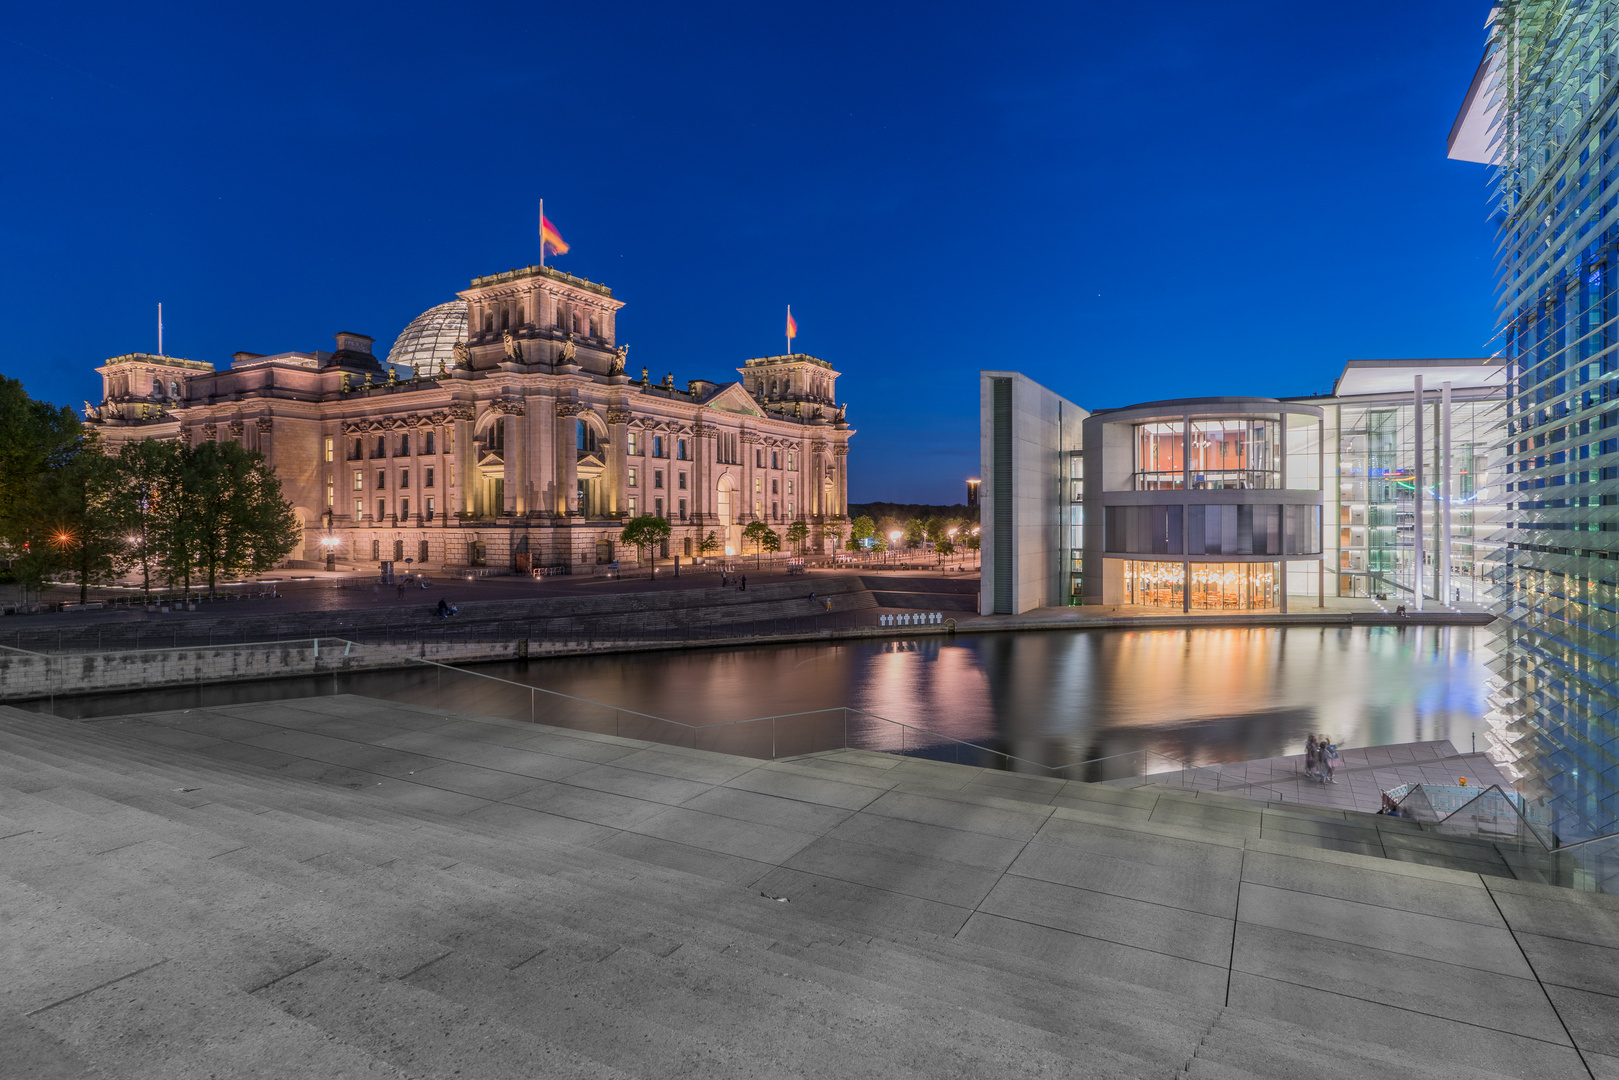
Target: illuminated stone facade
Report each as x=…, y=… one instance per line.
x=528, y=452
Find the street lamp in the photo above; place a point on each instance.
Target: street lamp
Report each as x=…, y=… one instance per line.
x=329, y=543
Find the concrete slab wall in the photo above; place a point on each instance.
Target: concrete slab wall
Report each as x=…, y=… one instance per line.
x=1043, y=425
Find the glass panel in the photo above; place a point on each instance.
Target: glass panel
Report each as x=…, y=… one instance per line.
x=1237, y=454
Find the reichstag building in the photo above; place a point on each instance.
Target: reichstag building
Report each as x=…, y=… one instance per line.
x=504, y=430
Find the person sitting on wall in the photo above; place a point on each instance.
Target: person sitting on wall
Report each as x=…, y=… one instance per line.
x=443, y=608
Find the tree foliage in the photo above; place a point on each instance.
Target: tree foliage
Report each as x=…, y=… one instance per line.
x=797, y=534
x=762, y=537
x=709, y=544
x=230, y=517
x=644, y=533
x=864, y=528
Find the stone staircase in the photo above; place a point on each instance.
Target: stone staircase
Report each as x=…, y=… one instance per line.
x=342, y=887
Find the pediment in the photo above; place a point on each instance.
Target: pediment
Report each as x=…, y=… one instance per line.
x=592, y=461
x=493, y=457
x=732, y=398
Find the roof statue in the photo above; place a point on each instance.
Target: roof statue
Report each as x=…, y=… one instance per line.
x=841, y=410
x=616, y=365
x=514, y=349
x=463, y=356
x=568, y=353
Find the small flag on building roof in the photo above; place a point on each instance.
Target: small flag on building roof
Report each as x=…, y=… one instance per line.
x=792, y=328
x=550, y=239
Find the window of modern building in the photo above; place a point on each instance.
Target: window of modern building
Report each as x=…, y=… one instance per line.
x=657, y=478
x=328, y=448
x=1160, y=456
x=1234, y=454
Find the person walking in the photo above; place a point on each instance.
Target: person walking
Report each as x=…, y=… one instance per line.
x=1330, y=762
x=1310, y=749
x=744, y=586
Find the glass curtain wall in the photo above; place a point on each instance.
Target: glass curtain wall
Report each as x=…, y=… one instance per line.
x=1557, y=162
x=1215, y=586
x=1074, y=522
x=1238, y=454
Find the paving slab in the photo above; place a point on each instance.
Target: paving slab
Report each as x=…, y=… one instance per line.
x=1191, y=935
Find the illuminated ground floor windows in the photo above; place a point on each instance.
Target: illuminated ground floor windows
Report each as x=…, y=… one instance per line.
x=1246, y=586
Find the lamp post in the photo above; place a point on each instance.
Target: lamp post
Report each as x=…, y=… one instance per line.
x=893, y=539
x=329, y=545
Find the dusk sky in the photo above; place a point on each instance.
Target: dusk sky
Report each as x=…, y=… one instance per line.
x=1122, y=201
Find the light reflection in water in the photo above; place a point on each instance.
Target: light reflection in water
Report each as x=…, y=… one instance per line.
x=1204, y=695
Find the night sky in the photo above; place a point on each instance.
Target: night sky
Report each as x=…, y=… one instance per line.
x=1123, y=201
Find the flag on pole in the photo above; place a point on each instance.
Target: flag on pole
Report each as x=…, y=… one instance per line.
x=551, y=242
x=792, y=328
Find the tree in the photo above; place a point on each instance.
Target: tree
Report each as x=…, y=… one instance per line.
x=80, y=498
x=971, y=541
x=708, y=544
x=945, y=546
x=863, y=529
x=37, y=439
x=147, y=500
x=645, y=533
x=914, y=532
x=763, y=538
x=230, y=516
x=797, y=533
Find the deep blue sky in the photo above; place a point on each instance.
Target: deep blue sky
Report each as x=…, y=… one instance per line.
x=1123, y=201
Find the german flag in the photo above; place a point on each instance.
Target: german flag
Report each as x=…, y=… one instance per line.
x=550, y=239
x=792, y=324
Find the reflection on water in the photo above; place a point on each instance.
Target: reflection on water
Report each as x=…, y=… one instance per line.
x=1204, y=695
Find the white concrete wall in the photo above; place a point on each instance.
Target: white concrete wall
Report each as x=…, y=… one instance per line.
x=1043, y=425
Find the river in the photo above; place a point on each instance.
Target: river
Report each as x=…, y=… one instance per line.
x=1199, y=695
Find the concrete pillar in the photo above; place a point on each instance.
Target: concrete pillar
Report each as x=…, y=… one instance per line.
x=618, y=461
x=1443, y=525
x=466, y=465
x=513, y=470
x=1417, y=573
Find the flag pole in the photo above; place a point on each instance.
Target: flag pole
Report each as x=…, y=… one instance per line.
x=160, y=328
x=542, y=234
x=789, y=323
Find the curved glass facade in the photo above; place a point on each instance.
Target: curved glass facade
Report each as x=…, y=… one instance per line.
x=1217, y=529
x=1234, y=453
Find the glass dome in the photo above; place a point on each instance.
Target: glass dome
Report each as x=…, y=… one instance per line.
x=427, y=345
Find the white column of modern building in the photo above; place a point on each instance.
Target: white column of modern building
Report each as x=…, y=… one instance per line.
x=1442, y=516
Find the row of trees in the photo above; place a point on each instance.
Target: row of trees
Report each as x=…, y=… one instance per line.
x=915, y=532
x=181, y=515
x=647, y=532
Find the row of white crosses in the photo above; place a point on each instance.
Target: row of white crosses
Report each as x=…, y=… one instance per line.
x=920, y=618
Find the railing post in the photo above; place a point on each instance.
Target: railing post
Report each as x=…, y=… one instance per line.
x=772, y=738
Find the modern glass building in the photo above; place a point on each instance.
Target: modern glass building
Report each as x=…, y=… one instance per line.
x=1543, y=112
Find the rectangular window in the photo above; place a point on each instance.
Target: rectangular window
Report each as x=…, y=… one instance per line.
x=331, y=493
x=789, y=511
x=427, y=448
x=657, y=507
x=382, y=509
x=775, y=486
x=631, y=444
x=358, y=452
x=657, y=446
x=789, y=487
x=380, y=450
x=328, y=448
x=657, y=480
x=427, y=477
x=634, y=506
x=359, y=509
x=682, y=482
x=376, y=550
x=404, y=445
x=404, y=479
x=758, y=459
x=775, y=511
x=633, y=474
x=430, y=502
x=758, y=509
x=791, y=462
x=382, y=480
x=359, y=480
x=775, y=459
x=682, y=509
x=404, y=509
x=758, y=485
x=421, y=549
x=680, y=449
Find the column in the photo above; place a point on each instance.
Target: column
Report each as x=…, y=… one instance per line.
x=841, y=488
x=513, y=468
x=466, y=460
x=1443, y=525
x=1416, y=557
x=1281, y=565
x=618, y=460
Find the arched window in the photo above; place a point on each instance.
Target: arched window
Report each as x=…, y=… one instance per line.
x=772, y=387
x=585, y=438
x=174, y=389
